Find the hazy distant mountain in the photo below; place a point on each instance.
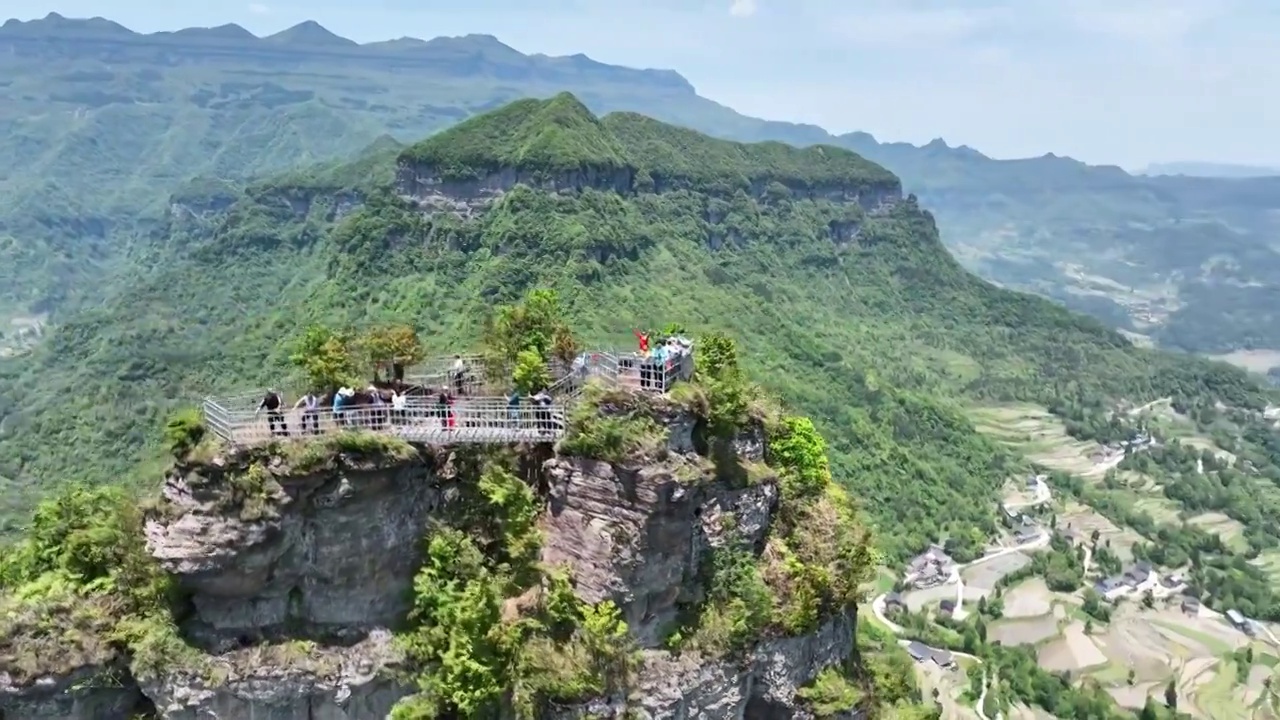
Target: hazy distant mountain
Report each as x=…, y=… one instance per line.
x=1208, y=169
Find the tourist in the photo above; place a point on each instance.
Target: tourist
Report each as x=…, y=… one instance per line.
x=459, y=375
x=397, y=407
x=310, y=406
x=542, y=410
x=341, y=399
x=271, y=403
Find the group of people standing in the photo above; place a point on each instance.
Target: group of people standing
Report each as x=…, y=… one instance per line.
x=376, y=409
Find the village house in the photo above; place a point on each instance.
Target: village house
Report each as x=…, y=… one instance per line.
x=1240, y=622
x=1190, y=605
x=1112, y=587
x=947, y=607
x=1139, y=575
x=1027, y=533
x=930, y=568
x=1137, y=578
x=893, y=603
x=923, y=653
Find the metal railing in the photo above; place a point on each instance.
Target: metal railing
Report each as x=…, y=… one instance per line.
x=475, y=415
x=466, y=420
x=479, y=377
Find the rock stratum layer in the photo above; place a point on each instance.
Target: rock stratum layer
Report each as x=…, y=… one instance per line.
x=298, y=561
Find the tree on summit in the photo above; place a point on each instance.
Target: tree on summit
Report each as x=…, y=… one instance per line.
x=536, y=324
x=325, y=357
x=391, y=348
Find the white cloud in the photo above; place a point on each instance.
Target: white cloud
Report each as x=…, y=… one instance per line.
x=259, y=9
x=743, y=8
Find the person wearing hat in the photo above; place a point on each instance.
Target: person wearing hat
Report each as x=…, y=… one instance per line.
x=340, y=400
x=271, y=403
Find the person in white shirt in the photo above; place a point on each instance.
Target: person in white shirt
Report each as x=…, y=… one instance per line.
x=310, y=406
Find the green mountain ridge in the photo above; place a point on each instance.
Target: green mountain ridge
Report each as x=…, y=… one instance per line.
x=881, y=336
x=88, y=110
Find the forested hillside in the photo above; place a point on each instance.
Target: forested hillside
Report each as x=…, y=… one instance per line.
x=851, y=307
x=100, y=124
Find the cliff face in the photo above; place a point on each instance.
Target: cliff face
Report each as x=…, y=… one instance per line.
x=430, y=190
x=269, y=549
x=299, y=565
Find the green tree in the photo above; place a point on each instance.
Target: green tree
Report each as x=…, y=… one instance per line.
x=530, y=373
x=536, y=323
x=325, y=357
x=800, y=451
x=390, y=347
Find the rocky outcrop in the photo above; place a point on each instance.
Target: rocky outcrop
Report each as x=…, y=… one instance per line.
x=761, y=687
x=286, y=681
x=327, y=554
x=427, y=189
x=298, y=564
x=92, y=692
x=639, y=536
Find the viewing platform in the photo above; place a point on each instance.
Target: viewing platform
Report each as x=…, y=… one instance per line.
x=422, y=420
x=477, y=414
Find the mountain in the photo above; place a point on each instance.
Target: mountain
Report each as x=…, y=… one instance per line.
x=1207, y=169
x=833, y=282
x=780, y=246
x=110, y=121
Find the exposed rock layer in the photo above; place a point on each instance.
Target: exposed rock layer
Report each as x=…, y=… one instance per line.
x=328, y=553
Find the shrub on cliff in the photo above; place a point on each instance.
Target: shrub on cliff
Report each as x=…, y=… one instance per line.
x=183, y=431
x=477, y=648
x=84, y=559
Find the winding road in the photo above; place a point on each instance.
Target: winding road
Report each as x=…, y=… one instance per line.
x=1043, y=495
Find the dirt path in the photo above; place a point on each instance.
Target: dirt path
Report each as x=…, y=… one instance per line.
x=1138, y=410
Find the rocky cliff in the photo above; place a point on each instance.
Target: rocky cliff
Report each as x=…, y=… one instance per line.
x=306, y=579
x=557, y=145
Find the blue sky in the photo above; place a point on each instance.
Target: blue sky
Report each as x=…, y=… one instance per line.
x=1106, y=81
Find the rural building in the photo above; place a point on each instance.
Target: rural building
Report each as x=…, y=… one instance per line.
x=923, y=653
x=893, y=603
x=932, y=567
x=1112, y=587
x=1138, y=573
x=1191, y=605
x=1241, y=622
x=943, y=658
x=1026, y=533
x=919, y=651
x=947, y=606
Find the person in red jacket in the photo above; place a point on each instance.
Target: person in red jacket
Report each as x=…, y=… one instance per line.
x=643, y=338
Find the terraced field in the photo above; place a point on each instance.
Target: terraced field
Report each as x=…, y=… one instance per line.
x=1035, y=433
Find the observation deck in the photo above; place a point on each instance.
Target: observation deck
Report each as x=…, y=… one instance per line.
x=478, y=415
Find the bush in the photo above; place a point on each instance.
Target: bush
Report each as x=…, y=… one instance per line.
x=799, y=453
x=183, y=431
x=830, y=694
